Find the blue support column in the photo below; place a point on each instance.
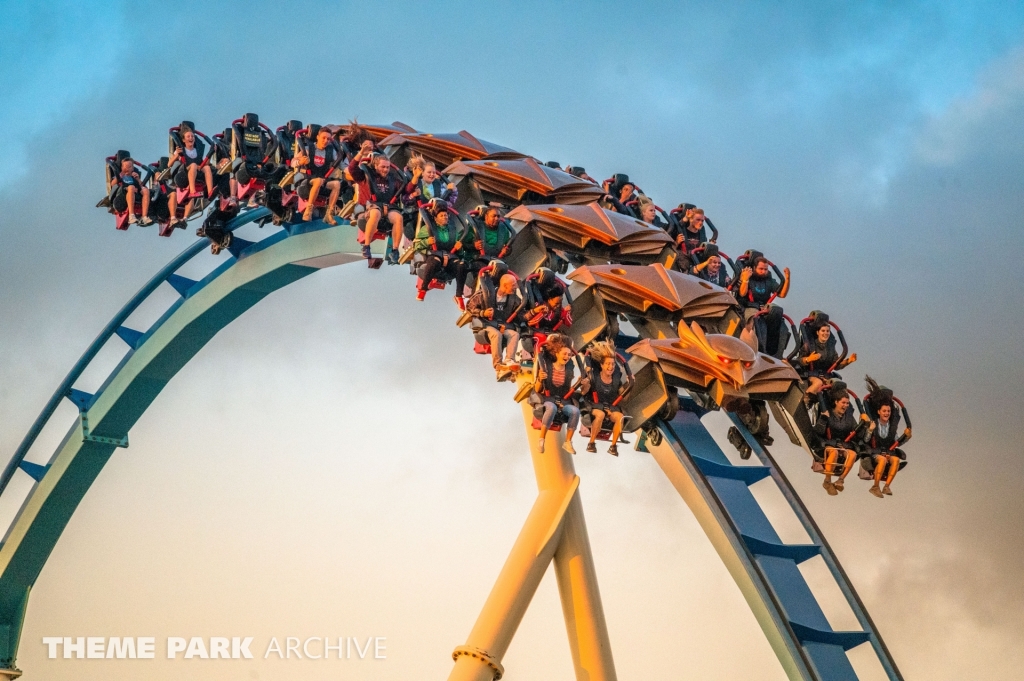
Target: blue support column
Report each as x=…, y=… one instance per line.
x=814, y=650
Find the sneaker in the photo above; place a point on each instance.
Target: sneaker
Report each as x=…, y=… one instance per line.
x=330, y=220
x=567, y=446
x=421, y=295
x=886, y=490
x=877, y=492
x=838, y=484
x=145, y=221
x=132, y=220
x=460, y=302
x=366, y=252
x=613, y=450
x=540, y=445
x=830, y=488
x=592, y=448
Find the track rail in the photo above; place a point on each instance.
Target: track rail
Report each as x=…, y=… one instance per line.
x=717, y=491
x=154, y=357
x=765, y=568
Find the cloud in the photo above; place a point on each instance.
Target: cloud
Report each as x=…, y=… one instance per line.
x=53, y=57
x=981, y=122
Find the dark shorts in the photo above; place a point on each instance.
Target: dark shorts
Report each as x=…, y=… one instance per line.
x=384, y=209
x=250, y=171
x=120, y=200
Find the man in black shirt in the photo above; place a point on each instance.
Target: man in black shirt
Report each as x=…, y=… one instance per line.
x=380, y=190
x=757, y=289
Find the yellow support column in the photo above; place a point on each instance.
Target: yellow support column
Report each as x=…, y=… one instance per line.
x=555, y=529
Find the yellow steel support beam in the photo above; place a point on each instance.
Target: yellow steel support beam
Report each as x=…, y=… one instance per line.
x=554, y=530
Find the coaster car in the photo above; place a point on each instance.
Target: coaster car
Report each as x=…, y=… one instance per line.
x=253, y=145
x=723, y=367
x=653, y=298
x=594, y=234
x=286, y=140
x=510, y=182
x=443, y=149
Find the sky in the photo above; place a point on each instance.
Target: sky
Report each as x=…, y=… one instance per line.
x=338, y=462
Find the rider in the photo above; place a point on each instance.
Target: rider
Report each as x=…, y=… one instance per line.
x=318, y=162
x=819, y=357
x=356, y=141
x=380, y=191
x=546, y=312
x=427, y=183
x=441, y=243
x=883, y=443
x=694, y=233
x=649, y=214
x=491, y=239
x=192, y=155
x=500, y=309
x=838, y=429
x=711, y=270
x=556, y=386
x=757, y=288
x=620, y=194
x=129, y=185
x=607, y=388
x=580, y=172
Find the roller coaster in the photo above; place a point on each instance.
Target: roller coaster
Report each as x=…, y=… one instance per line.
x=685, y=360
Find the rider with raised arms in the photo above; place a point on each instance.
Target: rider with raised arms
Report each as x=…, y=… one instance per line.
x=606, y=389
x=380, y=190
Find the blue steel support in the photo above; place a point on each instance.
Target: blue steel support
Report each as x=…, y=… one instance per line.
x=65, y=387
x=793, y=619
x=825, y=551
x=154, y=358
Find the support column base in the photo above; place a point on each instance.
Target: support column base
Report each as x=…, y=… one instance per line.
x=469, y=651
